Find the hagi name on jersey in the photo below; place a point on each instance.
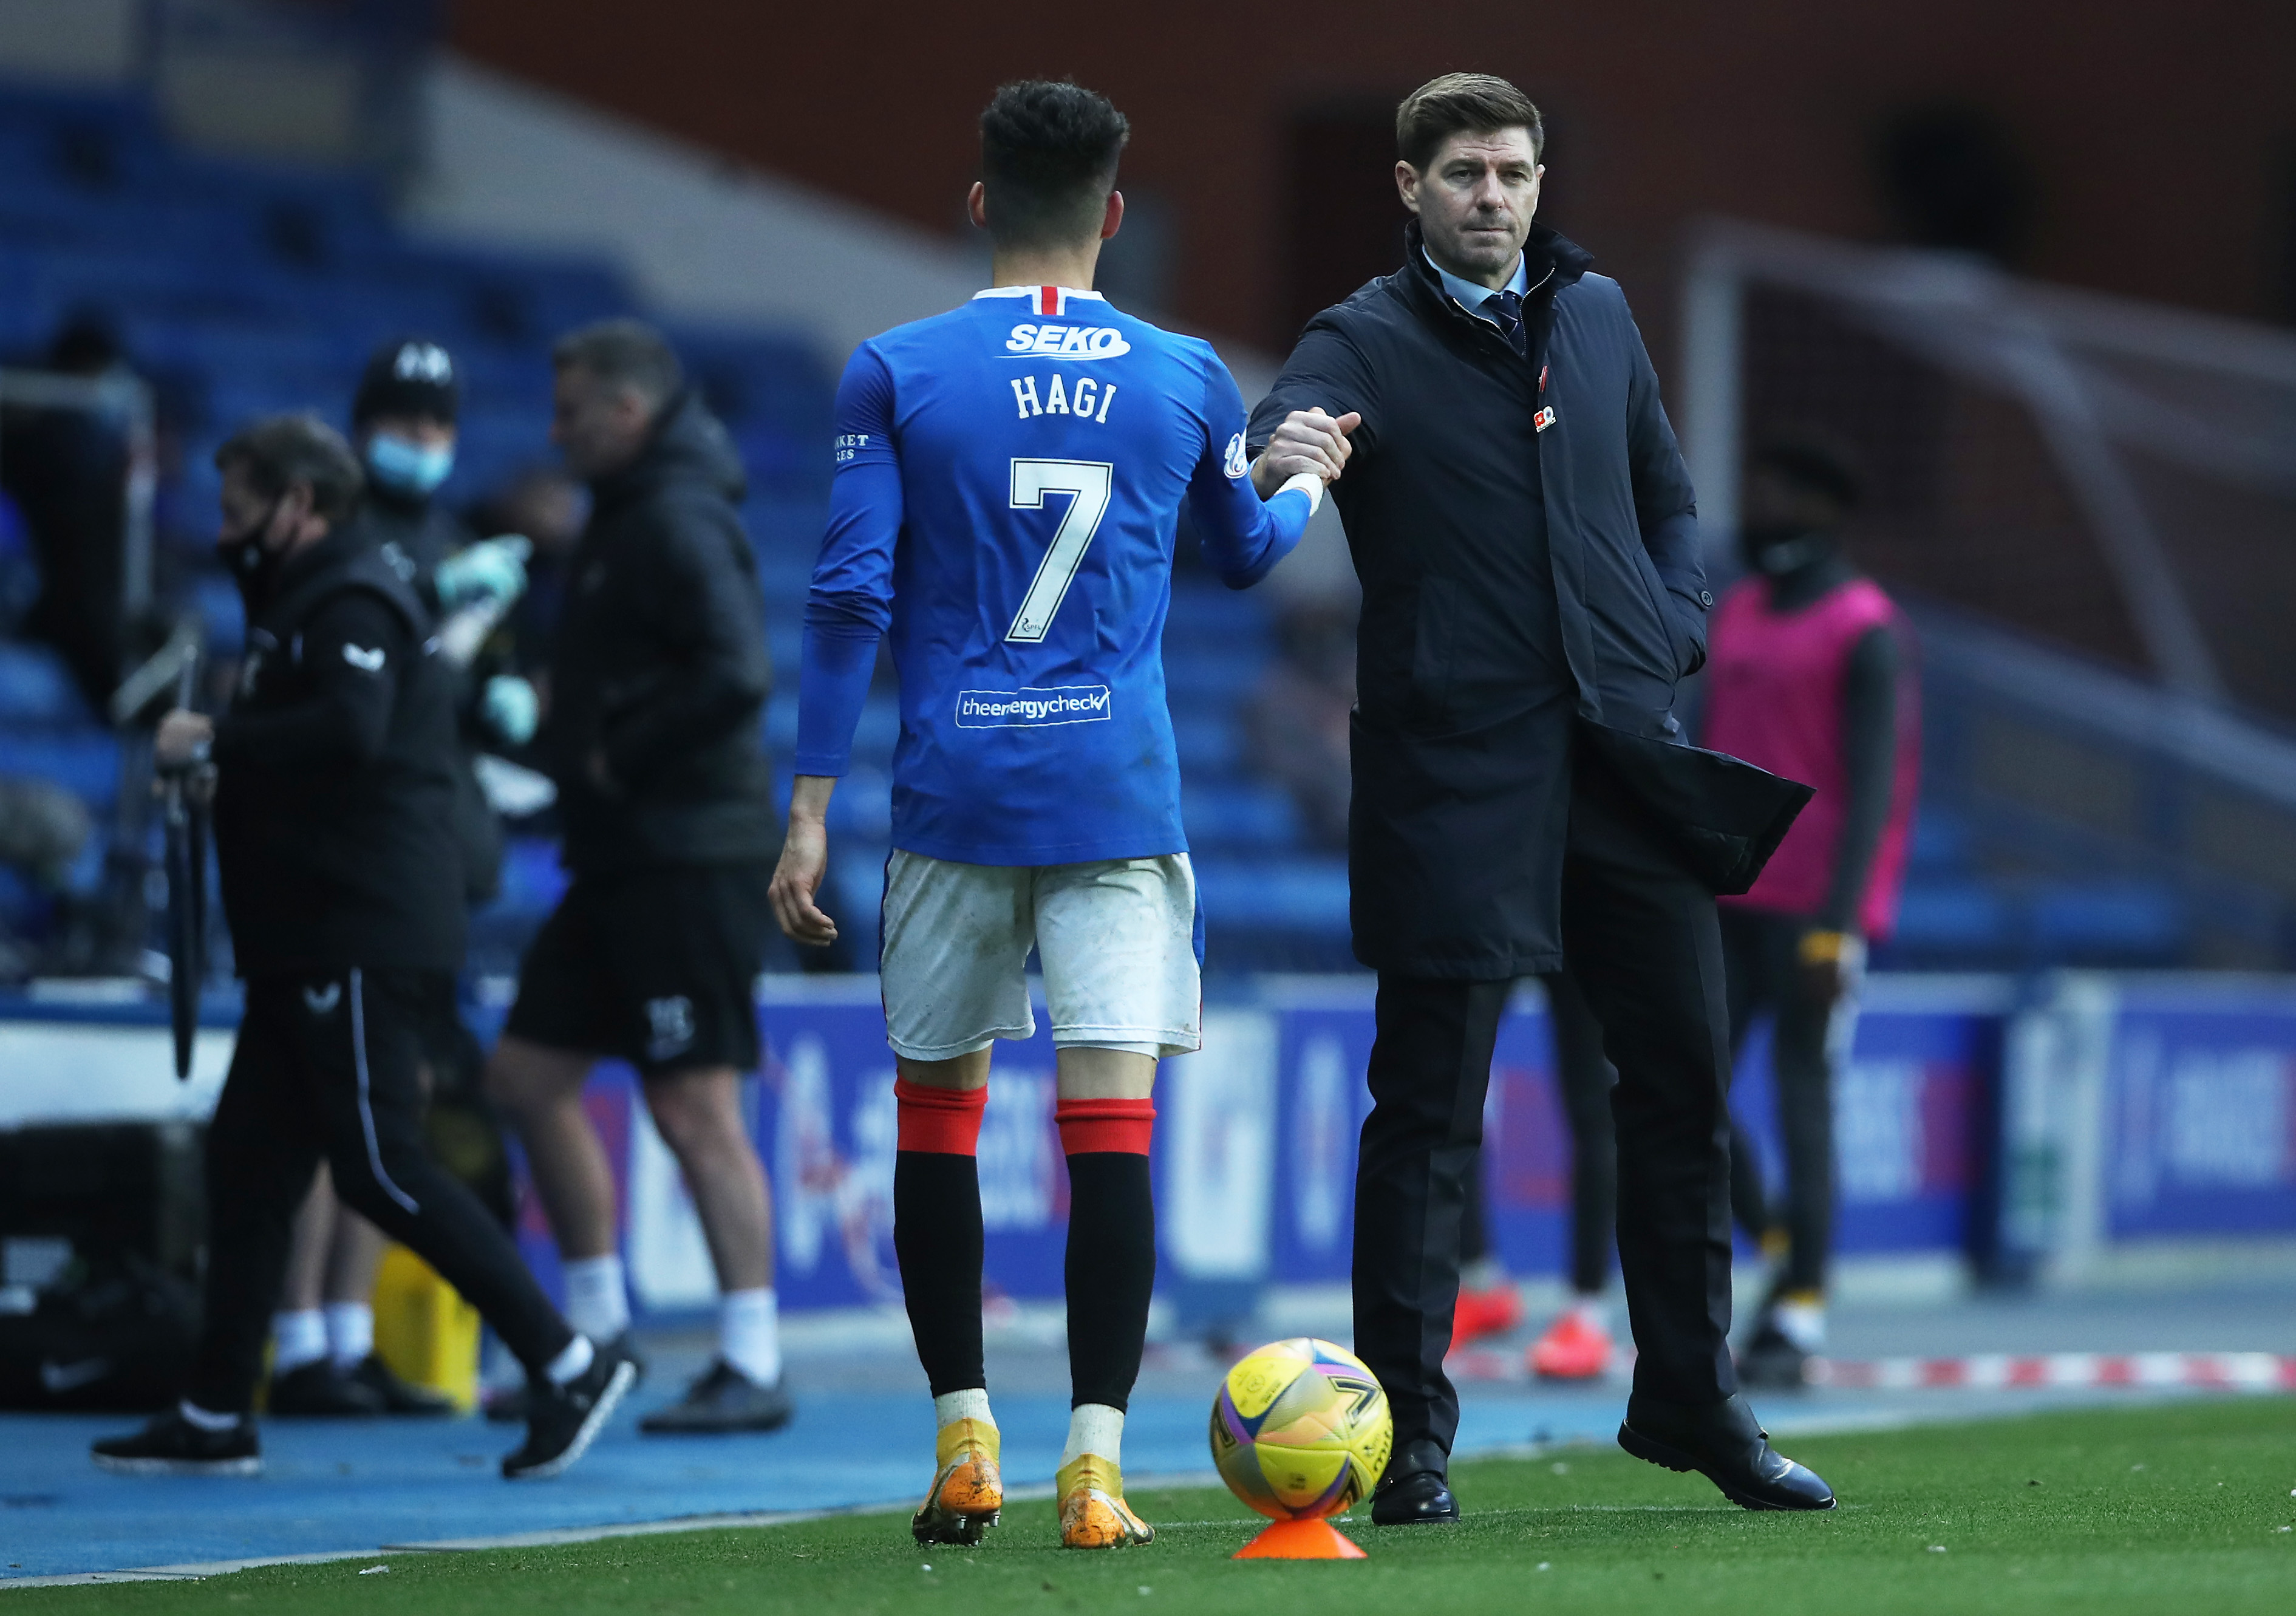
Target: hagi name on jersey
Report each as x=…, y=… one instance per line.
x=1004, y=708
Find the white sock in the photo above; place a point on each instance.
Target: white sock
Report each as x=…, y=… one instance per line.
x=297, y=1339
x=970, y=1404
x=573, y=1363
x=350, y=1332
x=596, y=1304
x=1095, y=1429
x=1802, y=1323
x=207, y=1419
x=749, y=1333
x=1591, y=1312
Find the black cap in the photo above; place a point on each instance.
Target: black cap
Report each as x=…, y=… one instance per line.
x=408, y=377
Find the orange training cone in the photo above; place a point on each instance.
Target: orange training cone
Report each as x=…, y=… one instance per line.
x=1299, y=1540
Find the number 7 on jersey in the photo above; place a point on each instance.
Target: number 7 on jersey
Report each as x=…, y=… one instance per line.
x=1088, y=484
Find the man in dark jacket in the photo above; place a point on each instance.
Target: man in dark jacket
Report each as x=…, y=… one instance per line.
x=1524, y=530
x=344, y=894
x=658, y=678
x=402, y=429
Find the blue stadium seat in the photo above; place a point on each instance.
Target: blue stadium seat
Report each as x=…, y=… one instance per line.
x=2116, y=923
x=1953, y=921
x=36, y=691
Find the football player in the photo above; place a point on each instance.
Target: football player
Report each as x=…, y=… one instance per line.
x=1008, y=479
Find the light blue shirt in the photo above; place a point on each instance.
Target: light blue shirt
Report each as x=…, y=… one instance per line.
x=1471, y=296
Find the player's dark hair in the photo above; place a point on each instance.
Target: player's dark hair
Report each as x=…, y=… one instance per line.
x=1812, y=460
x=277, y=452
x=623, y=353
x=1461, y=103
x=1048, y=154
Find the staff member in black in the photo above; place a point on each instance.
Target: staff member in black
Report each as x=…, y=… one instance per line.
x=658, y=679
x=344, y=891
x=1524, y=530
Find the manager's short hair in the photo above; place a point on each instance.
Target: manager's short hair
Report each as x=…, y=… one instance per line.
x=1461, y=103
x=1048, y=156
x=276, y=451
x=623, y=353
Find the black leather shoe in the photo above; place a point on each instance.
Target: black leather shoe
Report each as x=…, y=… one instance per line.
x=1726, y=1445
x=1416, y=1490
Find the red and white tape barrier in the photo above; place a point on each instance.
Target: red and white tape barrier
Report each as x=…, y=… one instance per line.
x=2086, y=1371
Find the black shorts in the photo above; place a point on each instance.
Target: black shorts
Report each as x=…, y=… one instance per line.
x=659, y=966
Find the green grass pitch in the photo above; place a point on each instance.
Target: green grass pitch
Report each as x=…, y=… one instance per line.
x=2166, y=1509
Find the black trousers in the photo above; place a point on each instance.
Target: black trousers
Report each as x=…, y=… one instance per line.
x=1584, y=1077
x=325, y=1068
x=1643, y=941
x=1762, y=951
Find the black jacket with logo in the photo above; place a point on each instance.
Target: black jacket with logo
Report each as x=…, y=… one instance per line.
x=333, y=811
x=660, y=664
x=1528, y=544
x=413, y=534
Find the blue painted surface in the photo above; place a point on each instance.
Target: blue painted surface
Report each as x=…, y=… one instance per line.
x=339, y=1485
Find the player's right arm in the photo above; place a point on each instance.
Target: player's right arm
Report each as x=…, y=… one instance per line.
x=1246, y=528
x=846, y=613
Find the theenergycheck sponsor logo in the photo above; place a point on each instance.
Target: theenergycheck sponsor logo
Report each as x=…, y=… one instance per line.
x=1005, y=708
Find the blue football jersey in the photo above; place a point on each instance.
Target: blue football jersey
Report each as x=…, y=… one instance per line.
x=1009, y=478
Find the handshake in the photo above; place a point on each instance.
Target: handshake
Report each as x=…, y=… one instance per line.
x=1308, y=443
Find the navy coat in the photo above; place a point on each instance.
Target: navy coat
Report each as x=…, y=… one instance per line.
x=1527, y=539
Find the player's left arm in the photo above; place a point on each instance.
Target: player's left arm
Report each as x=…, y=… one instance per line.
x=1243, y=534
x=1666, y=509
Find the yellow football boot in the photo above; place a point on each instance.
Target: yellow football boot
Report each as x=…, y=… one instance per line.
x=1093, y=1513
x=968, y=1490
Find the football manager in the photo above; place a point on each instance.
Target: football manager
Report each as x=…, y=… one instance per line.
x=1525, y=534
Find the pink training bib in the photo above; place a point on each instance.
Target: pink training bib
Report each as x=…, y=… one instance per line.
x=1773, y=696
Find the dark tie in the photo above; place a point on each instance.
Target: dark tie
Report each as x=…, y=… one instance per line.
x=1507, y=308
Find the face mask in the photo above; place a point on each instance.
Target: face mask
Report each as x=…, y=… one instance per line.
x=1776, y=550
x=250, y=561
x=406, y=467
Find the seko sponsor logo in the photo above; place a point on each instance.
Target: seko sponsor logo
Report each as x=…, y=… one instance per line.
x=1067, y=341
x=1009, y=709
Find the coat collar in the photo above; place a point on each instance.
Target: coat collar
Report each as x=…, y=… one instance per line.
x=1550, y=260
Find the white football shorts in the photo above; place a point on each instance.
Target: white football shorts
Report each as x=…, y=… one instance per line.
x=1116, y=938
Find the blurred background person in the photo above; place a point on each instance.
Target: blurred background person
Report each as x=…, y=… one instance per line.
x=1577, y=1345
x=404, y=426
x=341, y=884
x=1808, y=675
x=1296, y=722
x=658, y=678
x=67, y=471
x=550, y=509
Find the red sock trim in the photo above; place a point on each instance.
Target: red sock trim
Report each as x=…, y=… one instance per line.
x=1087, y=1126
x=945, y=1121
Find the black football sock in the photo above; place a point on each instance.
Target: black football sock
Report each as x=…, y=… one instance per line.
x=1111, y=1270
x=937, y=1237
